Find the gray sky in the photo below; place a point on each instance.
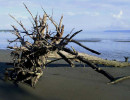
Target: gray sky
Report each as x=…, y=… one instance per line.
x=78, y=14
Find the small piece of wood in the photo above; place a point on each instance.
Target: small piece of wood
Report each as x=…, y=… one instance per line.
x=119, y=79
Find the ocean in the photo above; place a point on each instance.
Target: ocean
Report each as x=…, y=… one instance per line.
x=111, y=45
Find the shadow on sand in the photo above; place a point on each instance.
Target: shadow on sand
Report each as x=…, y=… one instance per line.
x=8, y=91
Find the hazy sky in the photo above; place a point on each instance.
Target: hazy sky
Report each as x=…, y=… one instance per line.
x=78, y=14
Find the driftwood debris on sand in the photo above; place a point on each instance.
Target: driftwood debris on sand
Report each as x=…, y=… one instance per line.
x=94, y=59
x=30, y=58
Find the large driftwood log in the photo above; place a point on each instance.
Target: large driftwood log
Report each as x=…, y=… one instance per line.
x=93, y=59
x=31, y=57
x=100, y=61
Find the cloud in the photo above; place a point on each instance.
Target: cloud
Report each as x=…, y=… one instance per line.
x=90, y=13
x=19, y=16
x=70, y=13
x=83, y=13
x=118, y=16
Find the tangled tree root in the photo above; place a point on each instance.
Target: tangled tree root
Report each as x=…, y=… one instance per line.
x=31, y=57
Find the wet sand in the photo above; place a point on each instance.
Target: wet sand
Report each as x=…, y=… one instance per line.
x=61, y=82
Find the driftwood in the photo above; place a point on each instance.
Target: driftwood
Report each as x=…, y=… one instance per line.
x=93, y=59
x=126, y=59
x=100, y=61
x=31, y=57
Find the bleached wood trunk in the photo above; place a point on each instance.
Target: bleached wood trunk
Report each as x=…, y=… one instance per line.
x=95, y=60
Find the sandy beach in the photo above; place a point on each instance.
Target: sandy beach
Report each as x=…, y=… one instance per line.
x=61, y=82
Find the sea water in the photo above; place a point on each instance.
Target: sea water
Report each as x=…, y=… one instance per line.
x=111, y=45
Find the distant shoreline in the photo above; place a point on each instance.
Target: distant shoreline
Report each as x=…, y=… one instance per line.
x=88, y=40
x=126, y=31
x=6, y=30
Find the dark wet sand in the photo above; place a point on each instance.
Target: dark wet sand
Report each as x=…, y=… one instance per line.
x=61, y=82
